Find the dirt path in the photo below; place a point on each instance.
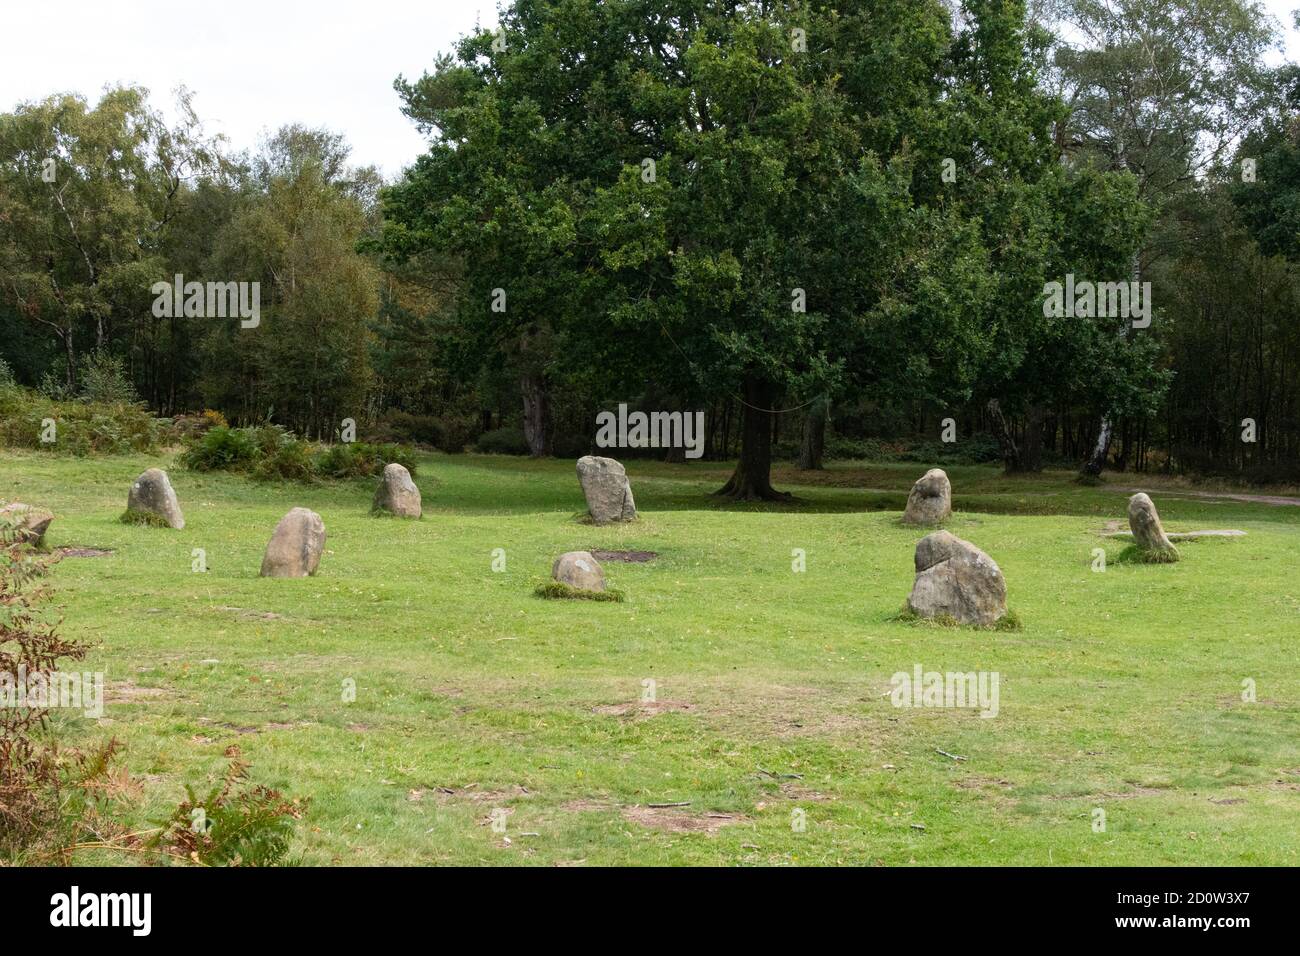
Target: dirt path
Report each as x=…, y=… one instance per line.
x=1232, y=496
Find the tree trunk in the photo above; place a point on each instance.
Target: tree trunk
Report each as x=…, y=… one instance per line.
x=537, y=414
x=752, y=479
x=1097, y=460
x=1006, y=441
x=1031, y=455
x=72, y=361
x=814, y=437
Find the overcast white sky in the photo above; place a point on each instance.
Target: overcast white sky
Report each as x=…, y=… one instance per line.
x=255, y=65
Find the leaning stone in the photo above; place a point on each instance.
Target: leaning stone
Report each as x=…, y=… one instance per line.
x=152, y=494
x=930, y=501
x=955, y=579
x=1147, y=530
x=27, y=524
x=606, y=488
x=578, y=569
x=296, y=546
x=397, y=493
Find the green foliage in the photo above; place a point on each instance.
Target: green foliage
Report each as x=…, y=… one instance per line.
x=54, y=387
x=104, y=380
x=557, y=590
x=361, y=460
x=271, y=452
x=81, y=427
x=233, y=824
x=49, y=797
x=503, y=441
x=220, y=449
x=417, y=429
x=978, y=449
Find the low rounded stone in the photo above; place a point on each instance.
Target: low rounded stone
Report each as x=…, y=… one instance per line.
x=578, y=569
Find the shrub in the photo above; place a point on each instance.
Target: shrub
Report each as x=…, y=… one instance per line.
x=361, y=460
x=270, y=452
x=81, y=427
x=503, y=441
x=252, y=826
x=47, y=796
x=104, y=380
x=54, y=387
x=283, y=457
x=404, y=427
x=220, y=449
x=191, y=426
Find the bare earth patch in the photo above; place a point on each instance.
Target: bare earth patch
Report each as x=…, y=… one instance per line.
x=643, y=708
x=469, y=792
x=1130, y=794
x=84, y=552
x=586, y=806
x=802, y=794
x=249, y=615
x=125, y=692
x=680, y=819
x=634, y=557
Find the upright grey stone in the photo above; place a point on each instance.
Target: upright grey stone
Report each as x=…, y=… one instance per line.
x=605, y=486
x=930, y=501
x=152, y=493
x=1148, y=532
x=397, y=493
x=296, y=546
x=956, y=579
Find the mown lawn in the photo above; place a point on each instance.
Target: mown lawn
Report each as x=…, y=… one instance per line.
x=1122, y=691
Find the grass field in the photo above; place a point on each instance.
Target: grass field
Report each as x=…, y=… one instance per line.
x=1123, y=689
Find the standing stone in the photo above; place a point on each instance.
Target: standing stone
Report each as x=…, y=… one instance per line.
x=26, y=523
x=606, y=488
x=397, y=493
x=295, y=548
x=578, y=569
x=1147, y=530
x=930, y=501
x=152, y=493
x=956, y=579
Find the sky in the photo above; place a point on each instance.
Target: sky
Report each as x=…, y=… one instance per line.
x=255, y=65
x=252, y=66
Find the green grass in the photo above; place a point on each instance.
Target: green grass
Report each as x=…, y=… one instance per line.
x=1121, y=690
x=146, y=518
x=558, y=589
